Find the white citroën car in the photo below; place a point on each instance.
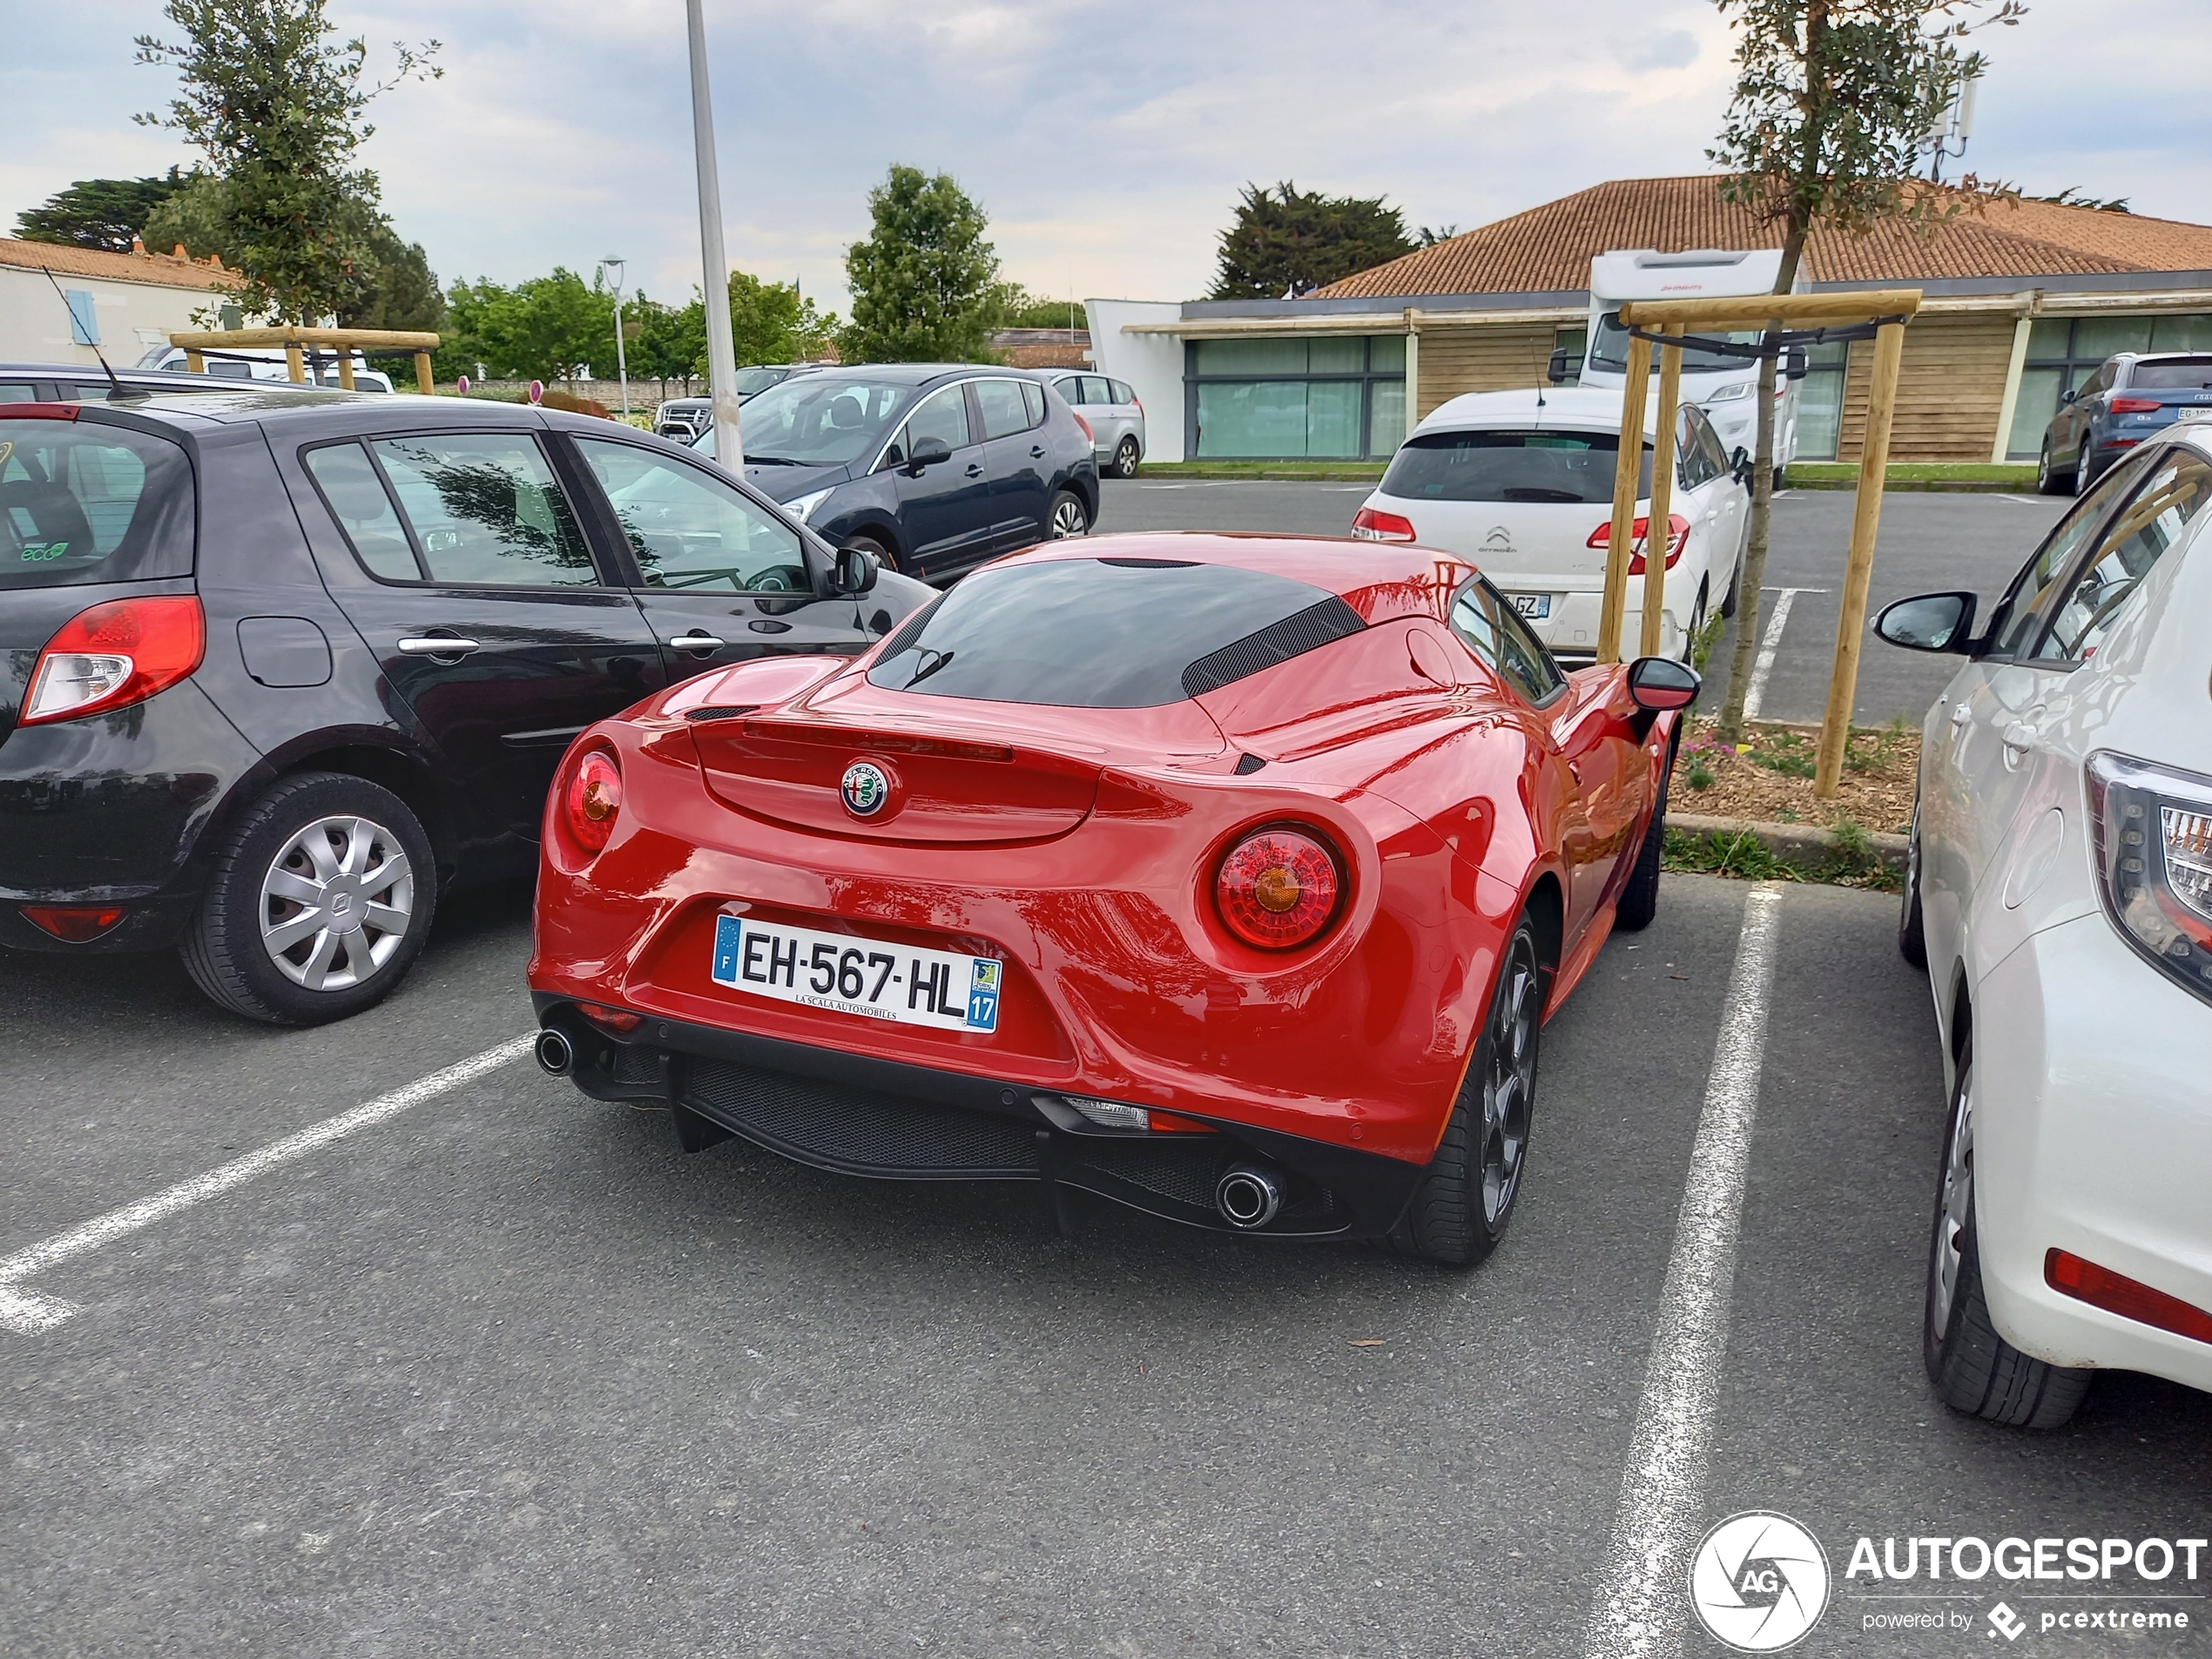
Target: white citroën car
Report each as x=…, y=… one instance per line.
x=2060, y=893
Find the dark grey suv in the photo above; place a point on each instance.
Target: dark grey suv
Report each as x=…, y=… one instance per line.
x=279, y=668
x=928, y=468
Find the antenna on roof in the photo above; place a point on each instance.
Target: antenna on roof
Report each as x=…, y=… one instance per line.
x=115, y=386
x=1952, y=129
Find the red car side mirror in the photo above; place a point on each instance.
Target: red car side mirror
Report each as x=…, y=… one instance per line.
x=1660, y=682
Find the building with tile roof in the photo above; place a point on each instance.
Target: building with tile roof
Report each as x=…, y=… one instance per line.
x=2023, y=301
x=121, y=303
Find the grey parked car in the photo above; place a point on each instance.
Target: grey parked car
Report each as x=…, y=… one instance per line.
x=684, y=418
x=1110, y=408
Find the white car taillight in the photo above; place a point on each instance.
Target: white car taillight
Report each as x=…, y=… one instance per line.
x=2152, y=827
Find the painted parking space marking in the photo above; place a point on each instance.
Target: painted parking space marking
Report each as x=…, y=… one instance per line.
x=1638, y=1608
x=1770, y=646
x=25, y=1310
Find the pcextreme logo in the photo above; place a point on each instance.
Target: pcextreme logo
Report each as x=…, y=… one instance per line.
x=1759, y=1581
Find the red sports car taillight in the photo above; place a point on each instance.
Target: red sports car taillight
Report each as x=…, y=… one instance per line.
x=1368, y=525
x=1277, y=889
x=591, y=800
x=114, y=655
x=1677, y=539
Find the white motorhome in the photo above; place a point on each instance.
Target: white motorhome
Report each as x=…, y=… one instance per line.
x=1725, y=387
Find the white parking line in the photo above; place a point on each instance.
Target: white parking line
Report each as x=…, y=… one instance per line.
x=1770, y=644
x=23, y=1309
x=2021, y=500
x=1639, y=1607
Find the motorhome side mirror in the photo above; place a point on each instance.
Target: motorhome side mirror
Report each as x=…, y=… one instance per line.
x=1929, y=622
x=1660, y=682
x=1794, y=363
x=1557, y=372
x=928, y=452
x=853, y=573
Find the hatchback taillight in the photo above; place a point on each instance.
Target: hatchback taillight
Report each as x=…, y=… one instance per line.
x=1085, y=425
x=1279, y=888
x=1368, y=525
x=114, y=654
x=2135, y=406
x=591, y=800
x=2152, y=830
x=1677, y=539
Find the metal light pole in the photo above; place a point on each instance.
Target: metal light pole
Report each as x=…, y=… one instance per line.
x=622, y=357
x=721, y=352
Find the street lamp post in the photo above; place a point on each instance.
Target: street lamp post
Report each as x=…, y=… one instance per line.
x=721, y=348
x=622, y=357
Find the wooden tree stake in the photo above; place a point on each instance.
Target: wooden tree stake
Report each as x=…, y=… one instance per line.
x=1628, y=476
x=1858, y=570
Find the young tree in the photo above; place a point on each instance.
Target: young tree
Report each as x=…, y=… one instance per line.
x=1290, y=241
x=402, y=289
x=770, y=322
x=1833, y=99
x=670, y=342
x=196, y=218
x=551, y=327
x=275, y=105
x=100, y=212
x=925, y=284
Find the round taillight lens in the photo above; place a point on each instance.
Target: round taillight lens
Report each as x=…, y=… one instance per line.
x=593, y=801
x=1277, y=889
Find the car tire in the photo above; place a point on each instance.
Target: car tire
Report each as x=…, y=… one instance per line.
x=1975, y=1371
x=1461, y=1209
x=1911, y=929
x=1734, y=596
x=1782, y=476
x=283, y=863
x=874, y=548
x=1639, y=901
x=2049, y=481
x=1125, y=458
x=1067, y=516
x=1696, y=624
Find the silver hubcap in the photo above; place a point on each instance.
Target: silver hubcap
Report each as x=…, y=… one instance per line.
x=1951, y=1216
x=1509, y=1082
x=1068, y=520
x=1128, y=458
x=336, y=902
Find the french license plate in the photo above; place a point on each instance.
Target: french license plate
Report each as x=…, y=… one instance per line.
x=880, y=981
x=1534, y=606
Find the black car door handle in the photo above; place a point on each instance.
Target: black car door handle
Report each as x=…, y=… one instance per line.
x=437, y=646
x=695, y=641
x=1037, y=452
x=763, y=625
x=975, y=469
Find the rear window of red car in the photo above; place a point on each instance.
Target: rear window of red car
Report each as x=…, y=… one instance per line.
x=84, y=502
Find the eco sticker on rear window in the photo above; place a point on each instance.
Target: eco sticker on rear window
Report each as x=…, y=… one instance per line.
x=40, y=552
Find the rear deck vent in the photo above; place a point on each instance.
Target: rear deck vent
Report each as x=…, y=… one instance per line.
x=1297, y=633
x=720, y=712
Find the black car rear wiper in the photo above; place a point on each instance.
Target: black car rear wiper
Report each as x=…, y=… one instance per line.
x=1537, y=492
x=772, y=461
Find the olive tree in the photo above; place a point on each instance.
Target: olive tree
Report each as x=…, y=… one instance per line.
x=1832, y=99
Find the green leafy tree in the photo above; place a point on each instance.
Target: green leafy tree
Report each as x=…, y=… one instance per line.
x=670, y=343
x=770, y=322
x=551, y=327
x=196, y=218
x=402, y=289
x=100, y=212
x=925, y=283
x=1831, y=101
x=1291, y=241
x=1019, y=308
x=275, y=104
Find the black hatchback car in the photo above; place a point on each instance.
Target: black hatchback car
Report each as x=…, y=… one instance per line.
x=278, y=668
x=929, y=468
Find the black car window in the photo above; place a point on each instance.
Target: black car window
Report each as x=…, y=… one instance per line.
x=1509, y=466
x=943, y=417
x=18, y=392
x=484, y=508
x=354, y=492
x=1710, y=442
x=2172, y=494
x=1151, y=631
x=2173, y=375
x=2034, y=591
x=1000, y=404
x=82, y=503
x=690, y=530
x=1033, y=397
x=1070, y=388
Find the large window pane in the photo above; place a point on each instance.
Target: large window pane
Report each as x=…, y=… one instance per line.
x=1386, y=353
x=1387, y=421
x=485, y=510
x=2181, y=333
x=1251, y=418
x=2097, y=338
x=1336, y=356
x=1820, y=414
x=1332, y=418
x=2039, y=401
x=2048, y=339
x=1251, y=357
x=1004, y=413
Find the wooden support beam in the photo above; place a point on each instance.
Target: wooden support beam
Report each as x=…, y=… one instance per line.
x=346, y=370
x=195, y=362
x=1628, y=476
x=1859, y=568
x=295, y=367
x=1795, y=310
x=374, y=339
x=422, y=374
x=1656, y=540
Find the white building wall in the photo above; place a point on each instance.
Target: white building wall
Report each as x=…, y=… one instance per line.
x=1150, y=363
x=34, y=321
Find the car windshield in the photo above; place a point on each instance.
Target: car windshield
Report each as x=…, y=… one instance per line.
x=818, y=420
x=2173, y=375
x=1610, y=349
x=759, y=380
x=1151, y=630
x=1569, y=467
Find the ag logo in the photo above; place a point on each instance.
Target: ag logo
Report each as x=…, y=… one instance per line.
x=1759, y=1581
x=865, y=789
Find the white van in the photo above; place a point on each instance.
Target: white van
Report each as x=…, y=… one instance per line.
x=1725, y=387
x=267, y=363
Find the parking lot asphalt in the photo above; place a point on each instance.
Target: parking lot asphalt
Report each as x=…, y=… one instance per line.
x=506, y=1370
x=1928, y=541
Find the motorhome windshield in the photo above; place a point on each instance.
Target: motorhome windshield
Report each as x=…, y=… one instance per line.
x=1610, y=349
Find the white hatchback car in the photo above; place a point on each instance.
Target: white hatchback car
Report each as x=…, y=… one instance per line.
x=1521, y=484
x=2060, y=892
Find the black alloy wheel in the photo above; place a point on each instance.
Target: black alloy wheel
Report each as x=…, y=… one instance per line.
x=1067, y=516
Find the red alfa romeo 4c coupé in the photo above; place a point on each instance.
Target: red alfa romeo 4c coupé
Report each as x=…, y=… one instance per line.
x=1231, y=877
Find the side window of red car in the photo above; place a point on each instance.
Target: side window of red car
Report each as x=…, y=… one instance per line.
x=1496, y=634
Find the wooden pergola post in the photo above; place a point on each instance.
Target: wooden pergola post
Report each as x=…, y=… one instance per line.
x=343, y=341
x=1891, y=308
x=1656, y=539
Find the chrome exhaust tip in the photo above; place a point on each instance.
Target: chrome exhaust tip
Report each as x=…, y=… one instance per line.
x=555, y=1055
x=1248, y=1195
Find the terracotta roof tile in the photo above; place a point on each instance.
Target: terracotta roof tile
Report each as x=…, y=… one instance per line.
x=65, y=259
x=1549, y=249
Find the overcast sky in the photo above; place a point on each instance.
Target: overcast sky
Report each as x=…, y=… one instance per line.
x=1106, y=141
